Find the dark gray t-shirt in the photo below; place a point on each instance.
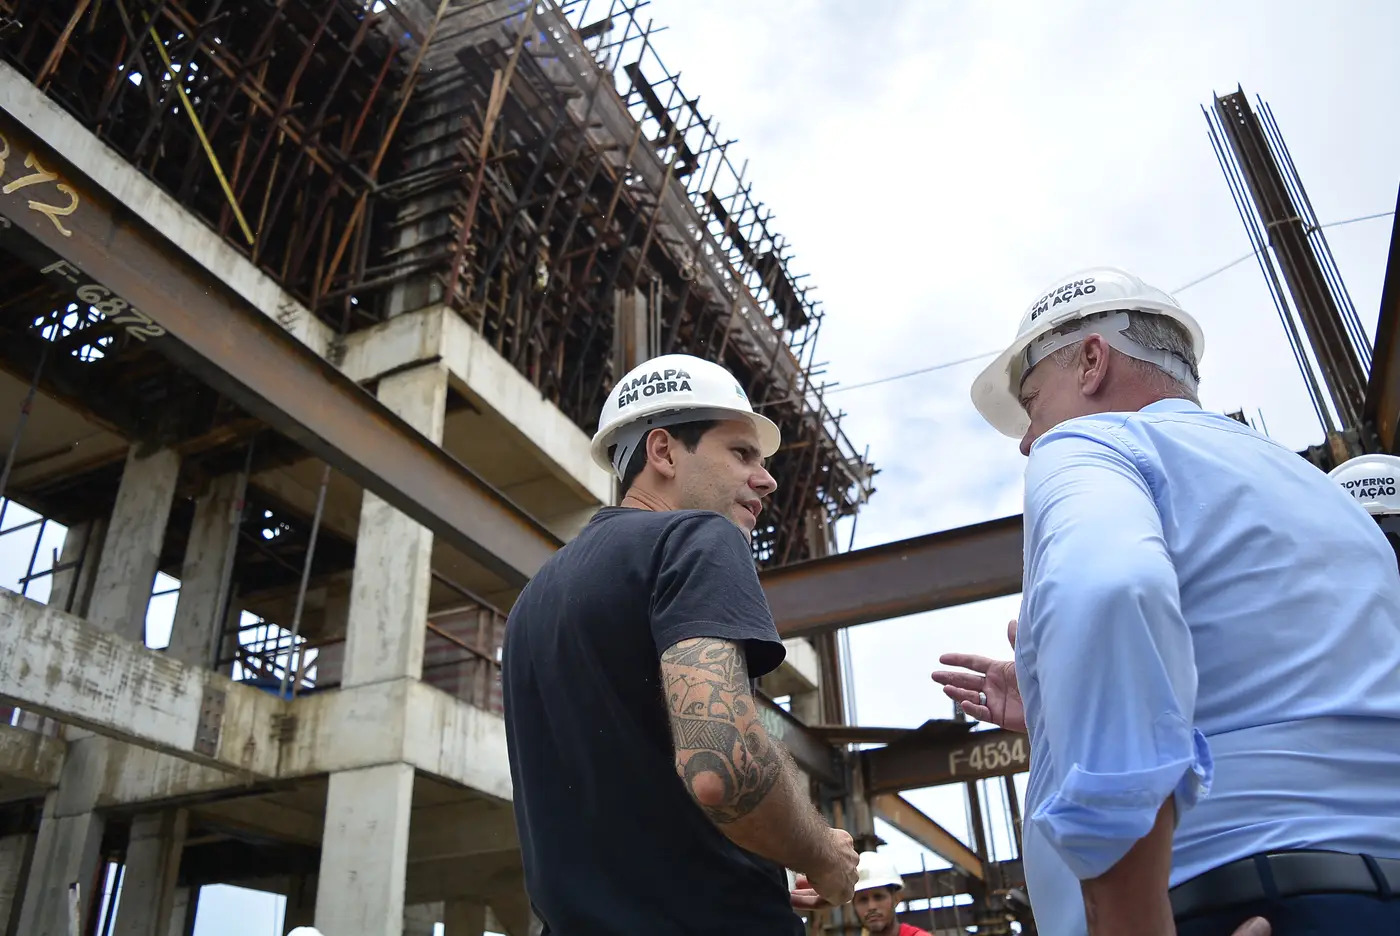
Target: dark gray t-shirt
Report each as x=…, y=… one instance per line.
x=611, y=840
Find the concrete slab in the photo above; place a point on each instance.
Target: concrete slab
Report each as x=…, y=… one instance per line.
x=30, y=763
x=64, y=667
x=48, y=121
x=492, y=385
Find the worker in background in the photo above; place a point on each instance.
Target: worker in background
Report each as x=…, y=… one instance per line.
x=1373, y=481
x=876, y=888
x=648, y=796
x=1203, y=612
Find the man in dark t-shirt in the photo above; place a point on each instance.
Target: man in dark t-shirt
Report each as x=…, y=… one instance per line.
x=649, y=799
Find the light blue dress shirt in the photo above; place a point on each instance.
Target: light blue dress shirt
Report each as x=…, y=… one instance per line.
x=1209, y=616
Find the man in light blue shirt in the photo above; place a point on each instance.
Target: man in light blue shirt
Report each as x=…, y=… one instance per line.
x=1208, y=650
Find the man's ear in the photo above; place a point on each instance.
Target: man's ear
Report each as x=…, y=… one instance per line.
x=661, y=452
x=1092, y=364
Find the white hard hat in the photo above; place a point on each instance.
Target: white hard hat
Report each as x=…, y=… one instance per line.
x=1373, y=480
x=667, y=390
x=1088, y=294
x=877, y=870
x=305, y=931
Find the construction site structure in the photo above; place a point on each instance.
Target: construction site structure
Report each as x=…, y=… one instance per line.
x=308, y=312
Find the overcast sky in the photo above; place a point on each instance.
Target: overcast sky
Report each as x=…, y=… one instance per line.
x=934, y=164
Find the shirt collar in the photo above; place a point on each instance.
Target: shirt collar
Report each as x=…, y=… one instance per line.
x=1173, y=405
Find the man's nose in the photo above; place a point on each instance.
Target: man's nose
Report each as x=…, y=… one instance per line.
x=1027, y=440
x=763, y=483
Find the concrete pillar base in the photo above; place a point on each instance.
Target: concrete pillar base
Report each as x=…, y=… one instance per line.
x=152, y=866
x=15, y=854
x=68, y=846
x=364, y=851
x=464, y=918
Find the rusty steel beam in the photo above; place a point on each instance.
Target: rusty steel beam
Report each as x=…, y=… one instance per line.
x=909, y=819
x=881, y=582
x=819, y=759
x=975, y=755
x=93, y=246
x=1382, y=410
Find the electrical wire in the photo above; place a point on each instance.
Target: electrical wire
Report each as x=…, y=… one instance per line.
x=986, y=354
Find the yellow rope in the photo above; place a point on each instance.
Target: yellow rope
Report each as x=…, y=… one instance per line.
x=204, y=140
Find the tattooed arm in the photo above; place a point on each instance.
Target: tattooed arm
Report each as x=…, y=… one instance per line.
x=743, y=779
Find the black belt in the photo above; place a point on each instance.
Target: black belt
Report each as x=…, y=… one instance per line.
x=1272, y=875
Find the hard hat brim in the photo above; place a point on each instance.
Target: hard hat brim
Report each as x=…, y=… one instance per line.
x=1000, y=405
x=896, y=883
x=770, y=439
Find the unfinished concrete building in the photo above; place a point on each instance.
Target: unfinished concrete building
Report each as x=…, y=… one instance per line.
x=311, y=306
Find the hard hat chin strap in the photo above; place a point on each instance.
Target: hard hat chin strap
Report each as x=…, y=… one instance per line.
x=631, y=436
x=1112, y=328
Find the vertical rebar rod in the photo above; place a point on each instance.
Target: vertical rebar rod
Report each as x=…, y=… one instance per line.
x=34, y=556
x=305, y=579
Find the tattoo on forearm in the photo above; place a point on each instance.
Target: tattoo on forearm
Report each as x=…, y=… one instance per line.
x=715, y=724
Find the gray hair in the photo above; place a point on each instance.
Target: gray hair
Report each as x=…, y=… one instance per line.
x=1157, y=333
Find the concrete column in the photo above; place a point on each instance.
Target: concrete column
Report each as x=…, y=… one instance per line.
x=15, y=852
x=364, y=851
x=194, y=634
x=131, y=549
x=301, y=903
x=422, y=919
x=67, y=850
x=389, y=589
x=72, y=588
x=152, y=866
x=464, y=918
x=182, y=911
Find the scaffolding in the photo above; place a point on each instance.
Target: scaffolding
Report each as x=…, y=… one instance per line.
x=533, y=166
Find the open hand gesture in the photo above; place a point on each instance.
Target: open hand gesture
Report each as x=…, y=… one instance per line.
x=989, y=693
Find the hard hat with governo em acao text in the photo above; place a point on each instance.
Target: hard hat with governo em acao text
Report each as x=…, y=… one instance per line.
x=665, y=391
x=1373, y=481
x=1086, y=299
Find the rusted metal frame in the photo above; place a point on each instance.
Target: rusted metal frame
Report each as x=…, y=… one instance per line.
x=305, y=145
x=245, y=82
x=669, y=342
x=500, y=88
x=138, y=39
x=333, y=185
x=532, y=314
x=406, y=94
x=274, y=376
x=162, y=108
x=1314, y=304
x=561, y=117
x=1382, y=409
x=1239, y=193
x=596, y=319
x=811, y=753
x=792, y=510
x=895, y=579
x=623, y=169
x=51, y=63
x=913, y=822
x=260, y=51
x=660, y=196
x=953, y=758
x=183, y=194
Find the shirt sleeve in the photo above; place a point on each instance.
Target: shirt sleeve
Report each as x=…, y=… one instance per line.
x=1109, y=651
x=707, y=586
